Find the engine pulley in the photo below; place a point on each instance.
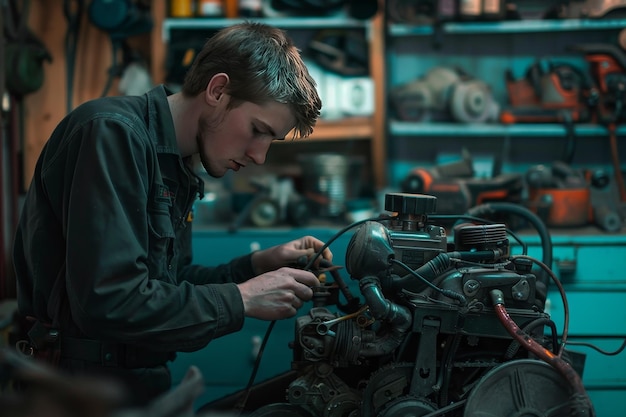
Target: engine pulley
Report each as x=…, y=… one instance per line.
x=524, y=387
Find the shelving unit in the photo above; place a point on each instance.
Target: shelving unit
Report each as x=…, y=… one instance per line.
x=370, y=129
x=485, y=50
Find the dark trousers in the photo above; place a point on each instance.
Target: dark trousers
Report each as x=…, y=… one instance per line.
x=138, y=386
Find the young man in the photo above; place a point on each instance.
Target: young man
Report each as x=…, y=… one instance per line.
x=103, y=249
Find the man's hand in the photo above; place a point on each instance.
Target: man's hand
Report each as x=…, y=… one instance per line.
x=277, y=294
x=289, y=254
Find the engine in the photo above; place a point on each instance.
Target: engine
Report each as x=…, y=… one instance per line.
x=439, y=328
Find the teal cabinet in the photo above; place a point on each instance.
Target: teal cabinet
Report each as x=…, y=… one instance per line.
x=592, y=269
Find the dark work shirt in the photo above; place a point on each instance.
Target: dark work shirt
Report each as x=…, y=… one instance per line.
x=105, y=237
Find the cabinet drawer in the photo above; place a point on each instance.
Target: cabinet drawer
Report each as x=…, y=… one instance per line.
x=602, y=371
x=587, y=264
x=608, y=403
x=599, y=313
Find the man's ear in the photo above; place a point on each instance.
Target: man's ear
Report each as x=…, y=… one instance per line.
x=216, y=89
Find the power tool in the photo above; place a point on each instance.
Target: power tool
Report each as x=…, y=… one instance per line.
x=559, y=194
x=549, y=92
x=445, y=94
x=457, y=189
x=607, y=65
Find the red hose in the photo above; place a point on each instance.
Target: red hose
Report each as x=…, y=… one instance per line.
x=564, y=368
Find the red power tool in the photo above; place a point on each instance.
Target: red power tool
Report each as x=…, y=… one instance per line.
x=607, y=65
x=457, y=189
x=550, y=92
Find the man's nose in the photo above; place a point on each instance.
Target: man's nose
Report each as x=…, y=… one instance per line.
x=258, y=152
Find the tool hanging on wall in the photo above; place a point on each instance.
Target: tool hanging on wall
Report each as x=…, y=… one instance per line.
x=121, y=19
x=25, y=53
x=23, y=57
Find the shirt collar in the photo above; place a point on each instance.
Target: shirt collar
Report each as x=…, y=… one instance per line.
x=160, y=122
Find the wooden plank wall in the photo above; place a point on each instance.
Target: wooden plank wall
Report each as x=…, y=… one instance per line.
x=46, y=107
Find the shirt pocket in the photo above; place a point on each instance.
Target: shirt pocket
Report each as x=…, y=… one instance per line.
x=161, y=245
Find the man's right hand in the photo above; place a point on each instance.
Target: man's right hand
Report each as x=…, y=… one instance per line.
x=277, y=294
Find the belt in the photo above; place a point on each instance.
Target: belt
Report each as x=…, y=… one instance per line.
x=112, y=354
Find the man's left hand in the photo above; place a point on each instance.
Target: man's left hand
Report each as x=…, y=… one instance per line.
x=290, y=254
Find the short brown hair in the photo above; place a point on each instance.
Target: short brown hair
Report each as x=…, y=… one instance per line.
x=263, y=65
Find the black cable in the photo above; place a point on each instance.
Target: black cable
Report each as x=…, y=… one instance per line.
x=543, y=321
x=257, y=362
x=445, y=374
x=448, y=293
x=597, y=349
x=308, y=266
x=341, y=232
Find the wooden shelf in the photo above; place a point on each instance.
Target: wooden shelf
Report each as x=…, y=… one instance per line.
x=351, y=128
x=203, y=23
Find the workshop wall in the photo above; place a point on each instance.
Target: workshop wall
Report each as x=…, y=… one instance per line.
x=44, y=108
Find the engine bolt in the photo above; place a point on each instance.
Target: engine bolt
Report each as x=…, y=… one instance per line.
x=471, y=287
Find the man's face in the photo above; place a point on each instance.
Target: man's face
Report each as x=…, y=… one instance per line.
x=241, y=136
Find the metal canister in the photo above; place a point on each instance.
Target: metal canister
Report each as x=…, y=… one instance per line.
x=325, y=178
x=182, y=8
